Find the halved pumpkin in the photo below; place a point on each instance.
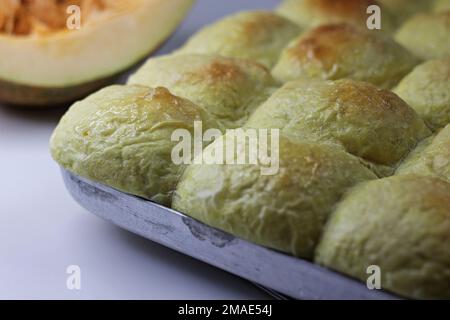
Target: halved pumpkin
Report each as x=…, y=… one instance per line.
x=43, y=62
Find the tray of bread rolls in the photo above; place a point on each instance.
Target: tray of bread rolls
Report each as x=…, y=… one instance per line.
x=354, y=120
x=287, y=275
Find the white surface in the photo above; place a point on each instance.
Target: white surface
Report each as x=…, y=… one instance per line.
x=42, y=230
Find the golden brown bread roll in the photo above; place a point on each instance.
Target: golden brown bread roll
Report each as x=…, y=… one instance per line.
x=427, y=90
x=121, y=136
x=426, y=35
x=310, y=13
x=430, y=158
x=369, y=122
x=285, y=210
x=339, y=51
x=229, y=89
x=256, y=35
x=400, y=224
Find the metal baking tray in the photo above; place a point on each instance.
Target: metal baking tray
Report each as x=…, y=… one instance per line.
x=280, y=274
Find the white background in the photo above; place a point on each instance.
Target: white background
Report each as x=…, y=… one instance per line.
x=42, y=230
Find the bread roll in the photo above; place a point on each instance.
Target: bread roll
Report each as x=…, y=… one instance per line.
x=121, y=136
x=430, y=158
x=286, y=210
x=371, y=123
x=404, y=9
x=257, y=35
x=229, y=89
x=426, y=35
x=441, y=5
x=339, y=51
x=400, y=224
x=310, y=13
x=427, y=90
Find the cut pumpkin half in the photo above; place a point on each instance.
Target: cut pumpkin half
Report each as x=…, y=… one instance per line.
x=46, y=61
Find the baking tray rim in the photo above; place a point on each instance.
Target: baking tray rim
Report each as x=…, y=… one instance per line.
x=96, y=198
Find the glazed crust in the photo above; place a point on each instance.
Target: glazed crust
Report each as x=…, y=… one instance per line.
x=339, y=51
x=285, y=211
x=427, y=90
x=121, y=136
x=402, y=225
x=371, y=123
x=257, y=35
x=426, y=35
x=430, y=158
x=229, y=89
x=310, y=13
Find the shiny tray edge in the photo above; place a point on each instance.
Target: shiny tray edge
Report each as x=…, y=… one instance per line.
x=276, y=271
